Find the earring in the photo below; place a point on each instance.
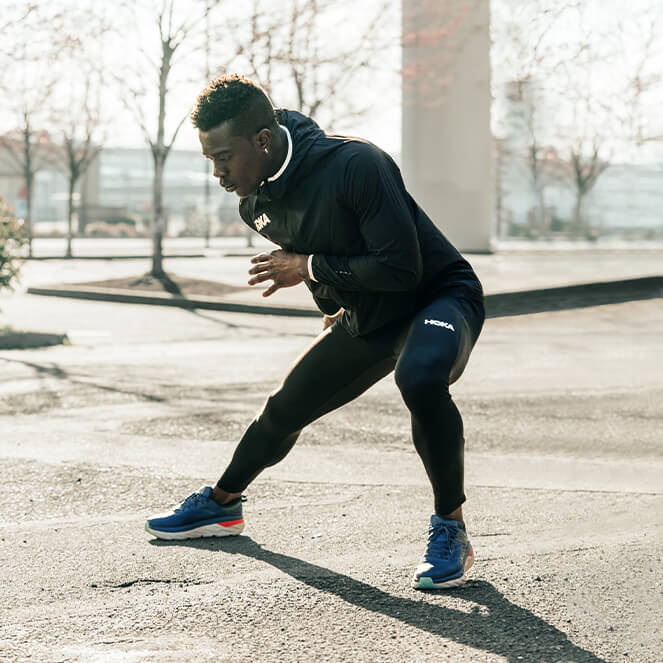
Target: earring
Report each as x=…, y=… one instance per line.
x=266, y=151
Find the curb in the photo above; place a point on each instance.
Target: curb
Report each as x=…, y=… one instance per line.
x=498, y=305
x=582, y=295
x=116, y=257
x=153, y=299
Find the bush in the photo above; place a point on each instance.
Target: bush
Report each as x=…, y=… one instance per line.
x=12, y=238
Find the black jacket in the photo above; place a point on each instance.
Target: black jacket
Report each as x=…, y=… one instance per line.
x=376, y=253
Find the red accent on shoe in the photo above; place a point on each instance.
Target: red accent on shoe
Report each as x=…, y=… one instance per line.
x=229, y=523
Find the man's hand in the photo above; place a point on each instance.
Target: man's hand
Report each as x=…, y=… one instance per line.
x=329, y=320
x=285, y=269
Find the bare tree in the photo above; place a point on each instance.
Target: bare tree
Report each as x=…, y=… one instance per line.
x=82, y=144
x=207, y=165
x=15, y=15
x=26, y=83
x=587, y=166
x=524, y=56
x=77, y=109
x=587, y=117
x=574, y=122
x=288, y=51
x=645, y=84
x=180, y=30
x=29, y=149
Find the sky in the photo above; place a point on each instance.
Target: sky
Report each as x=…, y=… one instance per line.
x=120, y=53
x=381, y=98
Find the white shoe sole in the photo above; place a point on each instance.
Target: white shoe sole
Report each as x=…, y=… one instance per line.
x=215, y=529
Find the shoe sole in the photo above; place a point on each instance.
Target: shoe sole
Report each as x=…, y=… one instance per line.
x=215, y=529
x=427, y=583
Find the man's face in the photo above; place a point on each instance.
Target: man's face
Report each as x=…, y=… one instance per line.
x=238, y=161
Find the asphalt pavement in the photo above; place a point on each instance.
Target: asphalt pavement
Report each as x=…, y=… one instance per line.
x=562, y=413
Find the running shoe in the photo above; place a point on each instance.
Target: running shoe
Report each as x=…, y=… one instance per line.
x=448, y=555
x=199, y=515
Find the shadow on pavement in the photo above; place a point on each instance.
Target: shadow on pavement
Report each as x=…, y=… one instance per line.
x=56, y=372
x=265, y=331
x=492, y=623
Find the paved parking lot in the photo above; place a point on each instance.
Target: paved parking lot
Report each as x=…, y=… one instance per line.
x=563, y=419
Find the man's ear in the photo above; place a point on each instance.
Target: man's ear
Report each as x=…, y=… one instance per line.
x=263, y=139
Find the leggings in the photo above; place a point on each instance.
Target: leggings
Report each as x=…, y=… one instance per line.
x=428, y=351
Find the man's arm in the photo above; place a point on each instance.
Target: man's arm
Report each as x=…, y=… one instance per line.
x=374, y=191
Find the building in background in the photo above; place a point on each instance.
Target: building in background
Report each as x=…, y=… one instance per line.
x=49, y=195
x=118, y=185
x=627, y=199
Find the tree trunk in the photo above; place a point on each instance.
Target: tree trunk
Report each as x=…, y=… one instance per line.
x=70, y=214
x=542, y=221
x=28, y=210
x=29, y=178
x=82, y=215
x=157, y=218
x=499, y=213
x=159, y=154
x=578, y=221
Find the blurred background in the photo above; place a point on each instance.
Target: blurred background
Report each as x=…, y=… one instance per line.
x=95, y=139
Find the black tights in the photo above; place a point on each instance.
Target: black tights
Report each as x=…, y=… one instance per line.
x=428, y=352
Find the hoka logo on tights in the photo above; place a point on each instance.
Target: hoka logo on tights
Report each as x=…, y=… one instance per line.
x=439, y=323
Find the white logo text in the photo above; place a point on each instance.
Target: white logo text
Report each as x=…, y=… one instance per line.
x=262, y=221
x=439, y=323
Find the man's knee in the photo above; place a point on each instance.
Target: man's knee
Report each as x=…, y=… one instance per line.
x=277, y=415
x=421, y=386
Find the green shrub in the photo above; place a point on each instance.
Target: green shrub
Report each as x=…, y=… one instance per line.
x=12, y=238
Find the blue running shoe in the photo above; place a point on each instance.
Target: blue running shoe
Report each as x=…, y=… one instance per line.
x=448, y=555
x=199, y=515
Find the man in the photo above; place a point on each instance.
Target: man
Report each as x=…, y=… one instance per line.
x=395, y=294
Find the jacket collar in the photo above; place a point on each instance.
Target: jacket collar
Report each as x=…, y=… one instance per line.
x=288, y=157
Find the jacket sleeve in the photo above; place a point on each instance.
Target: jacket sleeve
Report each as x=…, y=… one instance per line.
x=374, y=193
x=321, y=298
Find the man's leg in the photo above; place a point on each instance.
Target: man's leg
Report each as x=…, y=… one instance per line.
x=334, y=370
x=435, y=353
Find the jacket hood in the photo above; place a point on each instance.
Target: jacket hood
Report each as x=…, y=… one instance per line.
x=310, y=144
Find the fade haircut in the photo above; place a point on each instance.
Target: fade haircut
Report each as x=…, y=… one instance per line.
x=237, y=100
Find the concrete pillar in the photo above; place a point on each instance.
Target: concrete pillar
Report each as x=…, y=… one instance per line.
x=447, y=146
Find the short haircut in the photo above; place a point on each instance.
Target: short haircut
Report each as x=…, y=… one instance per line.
x=237, y=100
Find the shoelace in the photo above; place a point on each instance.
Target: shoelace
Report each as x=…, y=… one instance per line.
x=439, y=542
x=193, y=500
